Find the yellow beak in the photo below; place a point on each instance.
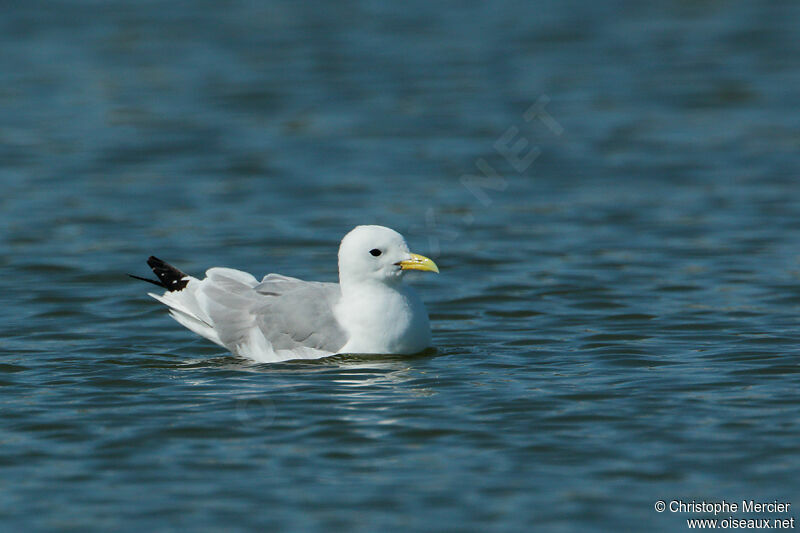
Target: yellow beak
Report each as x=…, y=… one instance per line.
x=419, y=262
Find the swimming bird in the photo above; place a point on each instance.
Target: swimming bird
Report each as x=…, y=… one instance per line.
x=280, y=318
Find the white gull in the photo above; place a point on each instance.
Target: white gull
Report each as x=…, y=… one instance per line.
x=280, y=318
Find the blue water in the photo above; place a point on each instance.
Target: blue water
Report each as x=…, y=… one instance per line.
x=616, y=318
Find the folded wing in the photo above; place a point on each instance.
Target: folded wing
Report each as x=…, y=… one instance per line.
x=277, y=319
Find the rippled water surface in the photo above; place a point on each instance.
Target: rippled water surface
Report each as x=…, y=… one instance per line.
x=616, y=319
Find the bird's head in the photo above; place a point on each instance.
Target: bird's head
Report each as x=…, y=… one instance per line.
x=377, y=253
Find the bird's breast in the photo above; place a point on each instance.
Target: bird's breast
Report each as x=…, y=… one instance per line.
x=384, y=321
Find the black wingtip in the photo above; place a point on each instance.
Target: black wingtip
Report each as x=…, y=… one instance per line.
x=170, y=277
x=153, y=281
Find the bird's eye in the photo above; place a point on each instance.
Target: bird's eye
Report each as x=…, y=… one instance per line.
x=375, y=252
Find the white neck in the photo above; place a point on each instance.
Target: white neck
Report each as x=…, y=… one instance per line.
x=382, y=317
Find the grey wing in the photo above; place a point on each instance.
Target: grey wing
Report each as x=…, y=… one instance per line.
x=300, y=314
x=277, y=319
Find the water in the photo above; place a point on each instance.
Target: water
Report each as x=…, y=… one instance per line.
x=616, y=317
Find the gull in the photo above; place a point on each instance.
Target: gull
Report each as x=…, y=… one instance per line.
x=370, y=310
